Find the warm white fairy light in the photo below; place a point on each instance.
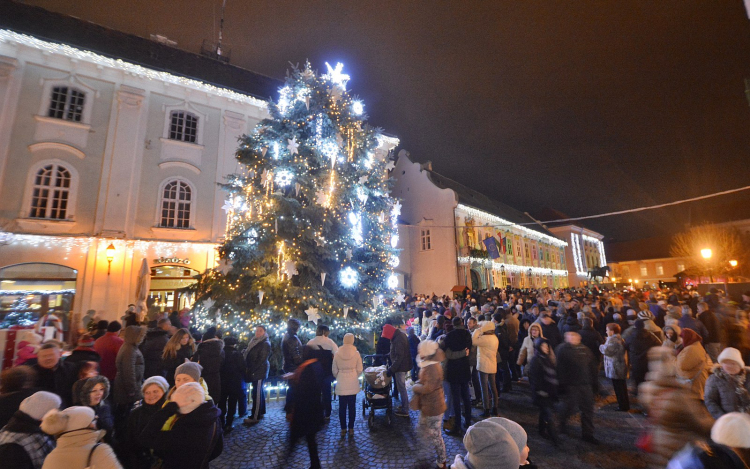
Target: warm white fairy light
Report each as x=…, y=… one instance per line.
x=489, y=263
x=336, y=75
x=127, y=67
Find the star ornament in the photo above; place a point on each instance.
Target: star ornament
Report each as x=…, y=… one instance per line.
x=336, y=76
x=292, y=146
x=400, y=298
x=390, y=166
x=312, y=315
x=208, y=304
x=290, y=268
x=321, y=198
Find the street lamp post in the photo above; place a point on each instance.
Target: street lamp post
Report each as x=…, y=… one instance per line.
x=706, y=253
x=110, y=257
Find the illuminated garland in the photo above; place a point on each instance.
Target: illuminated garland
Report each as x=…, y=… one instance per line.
x=599, y=247
x=36, y=292
x=502, y=223
x=489, y=263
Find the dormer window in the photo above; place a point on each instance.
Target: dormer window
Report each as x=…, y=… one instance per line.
x=66, y=103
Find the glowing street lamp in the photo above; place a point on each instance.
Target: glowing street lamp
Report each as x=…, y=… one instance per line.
x=110, y=257
x=733, y=263
x=706, y=253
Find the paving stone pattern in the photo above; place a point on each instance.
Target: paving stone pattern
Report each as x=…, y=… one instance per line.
x=266, y=445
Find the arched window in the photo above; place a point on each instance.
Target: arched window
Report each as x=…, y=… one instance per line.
x=183, y=126
x=176, y=205
x=50, y=193
x=66, y=103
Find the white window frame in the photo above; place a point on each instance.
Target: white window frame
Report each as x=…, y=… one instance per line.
x=30, y=185
x=643, y=269
x=160, y=202
x=659, y=269
x=88, y=92
x=425, y=239
x=190, y=109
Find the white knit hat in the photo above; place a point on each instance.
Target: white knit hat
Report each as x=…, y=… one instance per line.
x=733, y=430
x=157, y=380
x=70, y=419
x=427, y=348
x=189, y=396
x=39, y=403
x=733, y=354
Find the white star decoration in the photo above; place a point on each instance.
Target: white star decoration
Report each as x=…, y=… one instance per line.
x=312, y=315
x=208, y=304
x=321, y=198
x=335, y=75
x=390, y=166
x=363, y=179
x=292, y=146
x=397, y=209
x=400, y=298
x=225, y=265
x=227, y=206
x=290, y=268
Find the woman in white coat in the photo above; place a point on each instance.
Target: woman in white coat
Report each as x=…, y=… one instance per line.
x=347, y=366
x=486, y=342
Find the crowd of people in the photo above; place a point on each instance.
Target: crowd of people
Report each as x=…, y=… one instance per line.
x=160, y=395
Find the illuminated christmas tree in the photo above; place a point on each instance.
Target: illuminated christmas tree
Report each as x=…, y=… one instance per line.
x=311, y=226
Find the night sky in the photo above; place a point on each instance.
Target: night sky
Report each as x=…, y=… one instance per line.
x=583, y=106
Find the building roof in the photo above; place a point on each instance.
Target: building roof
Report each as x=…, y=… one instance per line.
x=59, y=28
x=480, y=201
x=649, y=248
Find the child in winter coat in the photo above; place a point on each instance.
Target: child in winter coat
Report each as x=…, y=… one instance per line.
x=429, y=398
x=347, y=366
x=728, y=388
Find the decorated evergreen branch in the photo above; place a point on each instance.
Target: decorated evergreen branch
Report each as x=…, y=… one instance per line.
x=311, y=226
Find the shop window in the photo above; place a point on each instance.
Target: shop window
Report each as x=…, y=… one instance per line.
x=176, y=205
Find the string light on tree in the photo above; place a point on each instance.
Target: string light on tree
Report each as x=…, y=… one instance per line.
x=335, y=222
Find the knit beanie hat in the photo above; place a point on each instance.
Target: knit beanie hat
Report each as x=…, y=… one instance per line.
x=349, y=339
x=732, y=354
x=70, y=419
x=157, y=380
x=490, y=446
x=646, y=314
x=189, y=396
x=191, y=369
x=86, y=340
x=631, y=313
x=514, y=429
x=733, y=430
x=39, y=403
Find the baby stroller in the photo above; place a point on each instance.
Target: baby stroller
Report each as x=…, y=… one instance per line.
x=377, y=388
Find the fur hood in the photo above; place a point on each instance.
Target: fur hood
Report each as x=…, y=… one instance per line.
x=88, y=385
x=716, y=366
x=134, y=335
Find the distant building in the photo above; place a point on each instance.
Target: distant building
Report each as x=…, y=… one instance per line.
x=445, y=225
x=644, y=262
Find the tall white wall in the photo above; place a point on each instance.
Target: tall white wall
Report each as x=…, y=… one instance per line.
x=426, y=206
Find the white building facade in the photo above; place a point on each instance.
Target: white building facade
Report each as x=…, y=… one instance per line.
x=444, y=232
x=97, y=153
x=585, y=251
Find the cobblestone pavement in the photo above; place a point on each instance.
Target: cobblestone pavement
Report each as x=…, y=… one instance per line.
x=265, y=445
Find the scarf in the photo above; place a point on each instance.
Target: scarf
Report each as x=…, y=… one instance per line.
x=255, y=341
x=738, y=381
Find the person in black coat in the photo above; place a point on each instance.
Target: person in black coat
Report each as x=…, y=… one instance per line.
x=210, y=355
x=638, y=344
x=23, y=445
x=256, y=371
x=101, y=329
x=576, y=374
x=457, y=345
x=232, y=372
x=591, y=338
x=413, y=346
x=154, y=394
x=543, y=382
x=306, y=407
x=53, y=374
x=503, y=377
x=400, y=365
x=186, y=432
x=16, y=384
x=550, y=331
x=152, y=348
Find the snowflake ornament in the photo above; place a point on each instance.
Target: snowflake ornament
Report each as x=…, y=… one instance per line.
x=321, y=198
x=390, y=166
x=312, y=315
x=290, y=269
x=292, y=146
x=208, y=304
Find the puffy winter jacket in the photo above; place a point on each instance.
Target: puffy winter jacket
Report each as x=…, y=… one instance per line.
x=400, y=353
x=291, y=348
x=73, y=449
x=615, y=357
x=486, y=341
x=347, y=366
x=256, y=359
x=721, y=394
x=152, y=349
x=429, y=389
x=130, y=367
